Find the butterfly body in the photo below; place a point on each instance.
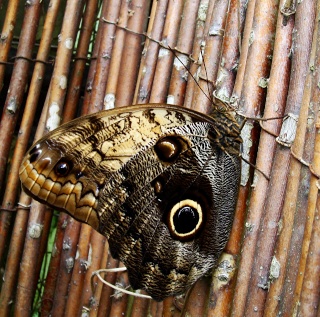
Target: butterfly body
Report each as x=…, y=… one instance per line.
x=160, y=182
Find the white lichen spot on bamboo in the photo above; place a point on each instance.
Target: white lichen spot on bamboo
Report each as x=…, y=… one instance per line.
x=255, y=180
x=222, y=74
x=109, y=101
x=246, y=147
x=68, y=43
x=63, y=82
x=249, y=227
x=53, y=120
x=144, y=70
x=263, y=82
x=215, y=30
x=69, y=264
x=170, y=100
x=12, y=105
x=224, y=271
x=221, y=94
x=86, y=264
x=202, y=13
x=251, y=38
x=118, y=294
x=35, y=231
x=64, y=225
x=66, y=245
x=3, y=37
x=181, y=62
x=288, y=130
x=163, y=52
x=274, y=269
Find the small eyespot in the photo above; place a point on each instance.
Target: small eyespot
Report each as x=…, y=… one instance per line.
x=168, y=148
x=185, y=219
x=62, y=168
x=35, y=153
x=158, y=185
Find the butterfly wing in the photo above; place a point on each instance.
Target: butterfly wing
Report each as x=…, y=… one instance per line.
x=157, y=181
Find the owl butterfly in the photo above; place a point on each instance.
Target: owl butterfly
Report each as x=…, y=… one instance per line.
x=159, y=181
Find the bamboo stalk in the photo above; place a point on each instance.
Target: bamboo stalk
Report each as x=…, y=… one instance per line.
x=310, y=213
x=179, y=74
x=93, y=62
x=213, y=44
x=119, y=300
x=98, y=287
x=129, y=69
x=74, y=90
x=140, y=306
x=230, y=52
x=269, y=226
x=220, y=300
x=105, y=301
x=13, y=261
x=32, y=257
x=202, y=27
x=246, y=40
x=60, y=74
x=165, y=58
x=7, y=35
x=300, y=64
x=14, y=99
x=110, y=13
x=12, y=185
x=57, y=289
x=97, y=243
x=251, y=102
x=310, y=288
x=116, y=58
x=195, y=304
x=37, y=215
x=53, y=272
x=80, y=267
x=151, y=50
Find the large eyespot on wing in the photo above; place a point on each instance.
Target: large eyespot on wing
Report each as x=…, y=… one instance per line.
x=185, y=219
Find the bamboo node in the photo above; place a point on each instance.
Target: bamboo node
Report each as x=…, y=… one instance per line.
x=288, y=130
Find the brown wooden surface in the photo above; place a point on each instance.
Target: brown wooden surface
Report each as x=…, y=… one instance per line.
x=263, y=58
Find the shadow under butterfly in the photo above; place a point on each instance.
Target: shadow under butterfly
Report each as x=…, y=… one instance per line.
x=159, y=181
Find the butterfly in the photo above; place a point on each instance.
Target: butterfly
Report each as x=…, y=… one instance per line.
x=159, y=181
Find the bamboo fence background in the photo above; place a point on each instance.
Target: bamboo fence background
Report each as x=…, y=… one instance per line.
x=62, y=59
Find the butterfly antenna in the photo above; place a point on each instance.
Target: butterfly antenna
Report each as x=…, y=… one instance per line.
x=206, y=72
x=189, y=72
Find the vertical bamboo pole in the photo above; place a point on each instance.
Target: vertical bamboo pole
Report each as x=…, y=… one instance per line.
x=14, y=99
x=251, y=102
x=151, y=49
x=7, y=35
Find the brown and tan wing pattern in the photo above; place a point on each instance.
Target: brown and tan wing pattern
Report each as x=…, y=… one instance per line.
x=160, y=182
